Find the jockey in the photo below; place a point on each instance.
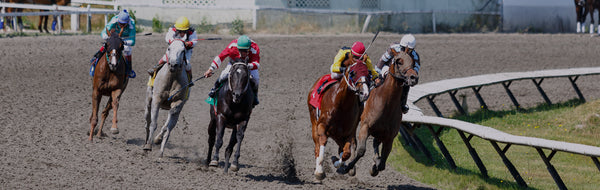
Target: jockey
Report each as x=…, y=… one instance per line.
x=407, y=45
x=180, y=31
x=357, y=50
x=118, y=22
x=242, y=48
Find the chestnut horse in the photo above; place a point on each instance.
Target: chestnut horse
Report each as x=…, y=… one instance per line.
x=110, y=79
x=382, y=115
x=232, y=110
x=339, y=114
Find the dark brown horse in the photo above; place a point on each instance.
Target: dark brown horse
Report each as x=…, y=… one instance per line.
x=44, y=18
x=581, y=12
x=382, y=115
x=110, y=79
x=232, y=110
x=339, y=113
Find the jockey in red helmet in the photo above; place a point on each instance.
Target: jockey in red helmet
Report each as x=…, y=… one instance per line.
x=355, y=52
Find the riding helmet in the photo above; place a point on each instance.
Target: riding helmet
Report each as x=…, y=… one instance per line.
x=408, y=41
x=243, y=42
x=123, y=17
x=358, y=48
x=182, y=23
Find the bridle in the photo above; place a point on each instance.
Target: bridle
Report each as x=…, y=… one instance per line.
x=247, y=78
x=347, y=78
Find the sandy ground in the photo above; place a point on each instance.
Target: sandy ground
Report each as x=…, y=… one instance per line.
x=46, y=105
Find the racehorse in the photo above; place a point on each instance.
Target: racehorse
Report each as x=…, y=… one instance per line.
x=591, y=7
x=44, y=18
x=382, y=115
x=19, y=25
x=110, y=79
x=232, y=110
x=167, y=83
x=339, y=112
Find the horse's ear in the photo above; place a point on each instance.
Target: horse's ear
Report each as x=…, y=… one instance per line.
x=107, y=32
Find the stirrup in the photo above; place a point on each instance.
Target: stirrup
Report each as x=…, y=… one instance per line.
x=132, y=74
x=405, y=109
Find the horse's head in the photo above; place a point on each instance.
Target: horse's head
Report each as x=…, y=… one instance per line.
x=176, y=55
x=114, y=48
x=239, y=80
x=357, y=77
x=402, y=68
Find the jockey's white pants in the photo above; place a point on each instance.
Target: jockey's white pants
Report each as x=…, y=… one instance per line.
x=188, y=57
x=254, y=76
x=127, y=50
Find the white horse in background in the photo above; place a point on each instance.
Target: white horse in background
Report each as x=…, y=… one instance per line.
x=167, y=84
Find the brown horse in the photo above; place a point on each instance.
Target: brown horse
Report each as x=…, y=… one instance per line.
x=382, y=115
x=110, y=79
x=339, y=114
x=44, y=18
x=19, y=25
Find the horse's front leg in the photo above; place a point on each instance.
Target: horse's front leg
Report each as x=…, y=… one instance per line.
x=172, y=121
x=376, y=157
x=104, y=115
x=116, y=96
x=359, y=149
x=240, y=137
x=322, y=141
x=386, y=148
x=96, y=97
x=219, y=141
x=229, y=149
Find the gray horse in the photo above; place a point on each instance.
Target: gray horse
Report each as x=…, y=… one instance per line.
x=166, y=84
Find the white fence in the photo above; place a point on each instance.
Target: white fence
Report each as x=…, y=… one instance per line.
x=57, y=11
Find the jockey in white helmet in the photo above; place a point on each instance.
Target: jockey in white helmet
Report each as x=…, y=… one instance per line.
x=407, y=45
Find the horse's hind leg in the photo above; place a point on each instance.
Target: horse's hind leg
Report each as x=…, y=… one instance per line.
x=211, y=140
x=229, y=150
x=153, y=119
x=322, y=141
x=219, y=141
x=159, y=138
x=104, y=115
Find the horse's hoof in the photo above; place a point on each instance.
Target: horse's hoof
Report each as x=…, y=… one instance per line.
x=148, y=147
x=352, y=171
x=320, y=176
x=234, y=168
x=374, y=170
x=114, y=131
x=158, y=139
x=214, y=163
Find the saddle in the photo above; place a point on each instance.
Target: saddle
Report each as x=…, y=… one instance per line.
x=317, y=94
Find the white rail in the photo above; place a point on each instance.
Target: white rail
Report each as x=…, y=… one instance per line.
x=55, y=11
x=429, y=90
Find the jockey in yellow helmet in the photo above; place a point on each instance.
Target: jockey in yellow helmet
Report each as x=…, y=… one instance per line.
x=180, y=31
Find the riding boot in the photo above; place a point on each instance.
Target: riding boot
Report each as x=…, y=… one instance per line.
x=130, y=72
x=156, y=67
x=213, y=90
x=404, y=99
x=255, y=90
x=189, y=75
x=97, y=55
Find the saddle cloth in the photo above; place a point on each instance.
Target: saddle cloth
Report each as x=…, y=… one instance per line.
x=317, y=94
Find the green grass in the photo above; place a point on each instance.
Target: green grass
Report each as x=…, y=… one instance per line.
x=573, y=121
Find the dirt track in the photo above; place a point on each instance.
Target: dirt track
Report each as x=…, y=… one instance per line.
x=46, y=103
